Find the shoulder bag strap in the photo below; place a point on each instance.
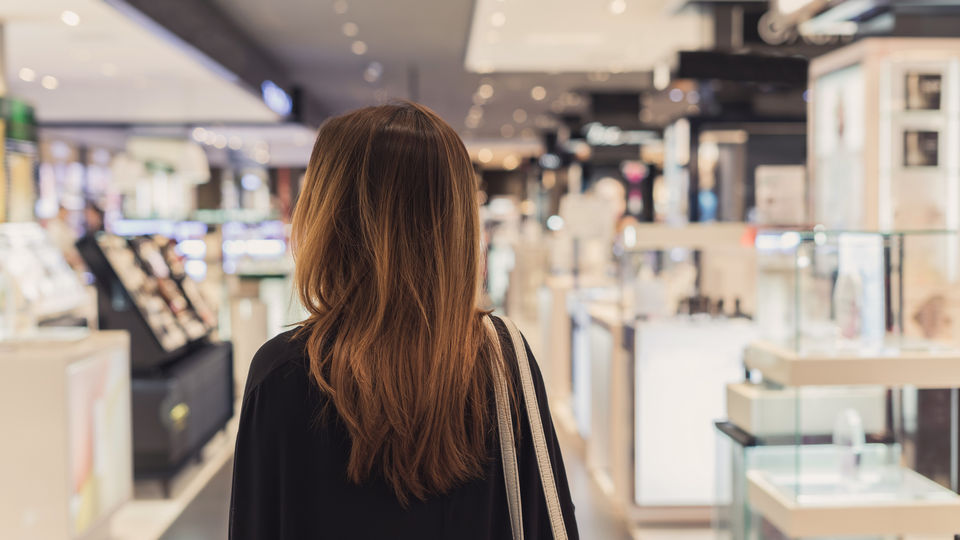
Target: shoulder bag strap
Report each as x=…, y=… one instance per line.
x=547, y=479
x=508, y=450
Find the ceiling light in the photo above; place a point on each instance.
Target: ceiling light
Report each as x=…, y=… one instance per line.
x=350, y=29
x=485, y=155
x=498, y=19
x=478, y=99
x=235, y=143
x=485, y=91
x=70, y=18
x=472, y=122
x=519, y=116
x=373, y=72
x=507, y=130
x=340, y=7
x=617, y=7
x=476, y=111
x=108, y=69
x=220, y=141
x=199, y=134
x=538, y=93
x=209, y=138
x=49, y=82
x=27, y=74
x=358, y=47
x=511, y=162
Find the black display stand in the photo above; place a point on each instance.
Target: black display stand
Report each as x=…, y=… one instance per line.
x=180, y=397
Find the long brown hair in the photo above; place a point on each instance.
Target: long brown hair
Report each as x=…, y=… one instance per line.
x=387, y=243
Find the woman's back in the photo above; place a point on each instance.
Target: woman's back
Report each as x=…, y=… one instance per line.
x=290, y=470
x=375, y=418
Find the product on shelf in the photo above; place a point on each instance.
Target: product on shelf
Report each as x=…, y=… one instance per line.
x=37, y=275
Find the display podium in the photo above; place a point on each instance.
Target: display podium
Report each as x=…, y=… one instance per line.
x=65, y=460
x=183, y=389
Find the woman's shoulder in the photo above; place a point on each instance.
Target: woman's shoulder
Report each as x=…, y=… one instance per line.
x=282, y=356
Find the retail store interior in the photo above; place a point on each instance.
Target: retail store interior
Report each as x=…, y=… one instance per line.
x=677, y=201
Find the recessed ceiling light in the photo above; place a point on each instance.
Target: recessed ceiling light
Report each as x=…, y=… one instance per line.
x=27, y=74
x=235, y=142
x=70, y=18
x=617, y=7
x=373, y=72
x=49, y=82
x=519, y=116
x=507, y=130
x=220, y=141
x=498, y=19
x=358, y=47
x=478, y=99
x=538, y=93
x=108, y=69
x=511, y=162
x=476, y=111
x=485, y=91
x=485, y=155
x=472, y=122
x=199, y=134
x=350, y=29
x=340, y=7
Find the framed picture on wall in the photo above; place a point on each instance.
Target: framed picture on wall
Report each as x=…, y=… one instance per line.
x=922, y=91
x=921, y=148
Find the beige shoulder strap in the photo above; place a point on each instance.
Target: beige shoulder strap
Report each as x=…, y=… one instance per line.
x=547, y=480
x=508, y=450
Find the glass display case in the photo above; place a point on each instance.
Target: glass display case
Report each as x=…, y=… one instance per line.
x=36, y=283
x=845, y=386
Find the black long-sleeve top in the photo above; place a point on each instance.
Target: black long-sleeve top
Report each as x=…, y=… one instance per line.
x=290, y=482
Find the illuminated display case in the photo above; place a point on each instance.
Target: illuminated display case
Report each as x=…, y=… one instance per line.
x=142, y=293
x=884, y=116
x=843, y=387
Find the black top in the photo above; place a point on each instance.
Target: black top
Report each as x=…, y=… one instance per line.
x=289, y=478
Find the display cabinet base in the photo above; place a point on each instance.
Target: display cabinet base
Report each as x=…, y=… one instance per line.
x=923, y=368
x=177, y=411
x=939, y=516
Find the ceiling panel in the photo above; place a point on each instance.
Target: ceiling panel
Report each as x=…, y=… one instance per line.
x=110, y=69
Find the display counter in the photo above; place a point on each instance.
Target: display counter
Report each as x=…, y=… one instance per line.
x=680, y=367
x=65, y=409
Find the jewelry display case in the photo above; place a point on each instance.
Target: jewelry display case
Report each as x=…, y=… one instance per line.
x=836, y=386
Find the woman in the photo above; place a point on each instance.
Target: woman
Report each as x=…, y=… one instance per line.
x=376, y=417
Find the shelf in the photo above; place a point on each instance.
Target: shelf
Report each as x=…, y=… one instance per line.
x=913, y=505
x=723, y=235
x=918, y=366
x=767, y=412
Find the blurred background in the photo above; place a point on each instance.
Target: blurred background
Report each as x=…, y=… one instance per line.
x=728, y=229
